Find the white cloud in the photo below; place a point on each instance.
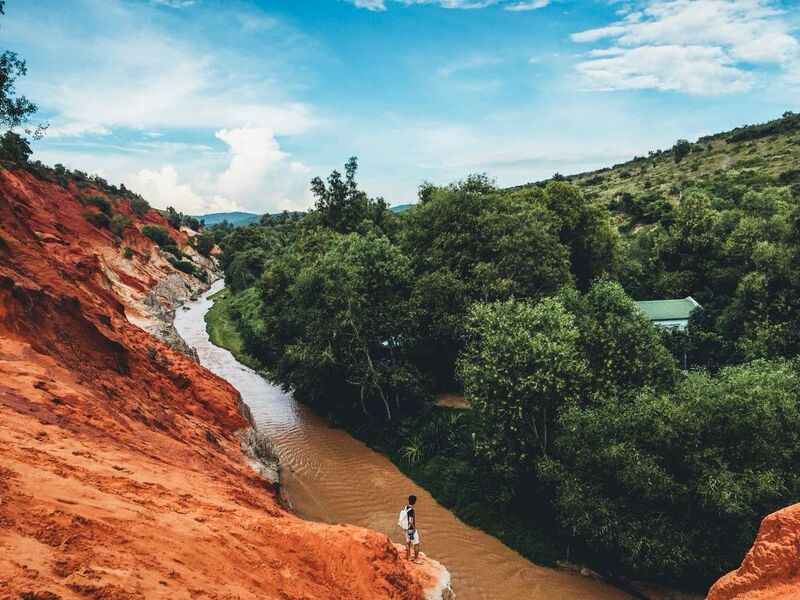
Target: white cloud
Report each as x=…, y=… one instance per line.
x=163, y=188
x=512, y=5
x=527, y=5
x=254, y=152
x=700, y=70
x=144, y=77
x=258, y=176
x=175, y=3
x=370, y=4
x=702, y=47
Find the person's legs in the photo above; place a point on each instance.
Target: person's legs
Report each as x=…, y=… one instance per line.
x=408, y=548
x=416, y=551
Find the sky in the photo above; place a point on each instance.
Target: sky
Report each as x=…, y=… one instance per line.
x=220, y=105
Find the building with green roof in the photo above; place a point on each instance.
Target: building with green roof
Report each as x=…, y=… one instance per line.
x=669, y=313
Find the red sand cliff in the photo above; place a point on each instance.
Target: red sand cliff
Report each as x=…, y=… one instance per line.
x=771, y=569
x=121, y=475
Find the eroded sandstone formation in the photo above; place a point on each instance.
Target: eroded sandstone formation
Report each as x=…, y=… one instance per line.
x=771, y=569
x=121, y=468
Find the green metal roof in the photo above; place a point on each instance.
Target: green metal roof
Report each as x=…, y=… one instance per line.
x=668, y=310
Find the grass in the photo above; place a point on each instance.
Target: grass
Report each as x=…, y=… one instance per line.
x=222, y=330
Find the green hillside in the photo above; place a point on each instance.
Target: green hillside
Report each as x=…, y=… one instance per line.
x=755, y=156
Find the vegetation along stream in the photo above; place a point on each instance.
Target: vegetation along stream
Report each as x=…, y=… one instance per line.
x=328, y=475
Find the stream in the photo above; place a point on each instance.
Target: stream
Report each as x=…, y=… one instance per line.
x=327, y=475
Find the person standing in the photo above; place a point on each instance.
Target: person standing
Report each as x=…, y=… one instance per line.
x=408, y=520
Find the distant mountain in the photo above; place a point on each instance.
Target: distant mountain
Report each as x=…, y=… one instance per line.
x=240, y=219
x=235, y=218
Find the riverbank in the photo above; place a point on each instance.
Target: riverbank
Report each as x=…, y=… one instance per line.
x=449, y=478
x=222, y=330
x=331, y=476
x=265, y=407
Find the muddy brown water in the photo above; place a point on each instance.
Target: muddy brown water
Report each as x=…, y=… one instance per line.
x=330, y=476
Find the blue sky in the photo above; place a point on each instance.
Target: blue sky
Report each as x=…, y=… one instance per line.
x=211, y=105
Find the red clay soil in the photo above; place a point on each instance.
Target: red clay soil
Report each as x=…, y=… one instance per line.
x=771, y=569
x=121, y=475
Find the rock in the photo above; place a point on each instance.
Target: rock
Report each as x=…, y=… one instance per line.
x=771, y=569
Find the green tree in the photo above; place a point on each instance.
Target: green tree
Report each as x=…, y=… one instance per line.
x=204, y=244
x=622, y=348
x=681, y=150
x=15, y=110
x=14, y=148
x=673, y=485
x=341, y=205
x=343, y=323
x=520, y=366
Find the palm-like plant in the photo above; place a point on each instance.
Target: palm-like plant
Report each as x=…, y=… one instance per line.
x=413, y=451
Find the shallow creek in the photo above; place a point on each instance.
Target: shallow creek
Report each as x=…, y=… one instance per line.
x=328, y=475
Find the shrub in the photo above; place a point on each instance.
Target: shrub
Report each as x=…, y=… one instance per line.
x=161, y=236
x=119, y=223
x=62, y=175
x=680, y=150
x=139, y=206
x=187, y=266
x=204, y=244
x=100, y=202
x=173, y=217
x=790, y=176
x=99, y=220
x=127, y=252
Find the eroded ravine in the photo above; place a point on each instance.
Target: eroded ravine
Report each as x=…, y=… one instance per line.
x=328, y=475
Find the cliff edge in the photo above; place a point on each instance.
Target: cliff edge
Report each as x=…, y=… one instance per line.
x=121, y=466
x=771, y=569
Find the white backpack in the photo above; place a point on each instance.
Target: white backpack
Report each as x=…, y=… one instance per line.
x=402, y=520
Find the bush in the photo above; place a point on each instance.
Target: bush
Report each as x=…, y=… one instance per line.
x=127, y=252
x=119, y=223
x=14, y=148
x=62, y=175
x=101, y=203
x=99, y=220
x=139, y=206
x=174, y=218
x=187, y=267
x=788, y=177
x=680, y=150
x=673, y=485
x=204, y=244
x=161, y=236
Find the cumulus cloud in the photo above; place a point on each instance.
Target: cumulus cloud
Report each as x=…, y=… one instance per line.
x=163, y=188
x=702, y=47
x=254, y=152
x=511, y=5
x=257, y=174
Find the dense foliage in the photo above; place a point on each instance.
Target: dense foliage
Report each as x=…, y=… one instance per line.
x=651, y=452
